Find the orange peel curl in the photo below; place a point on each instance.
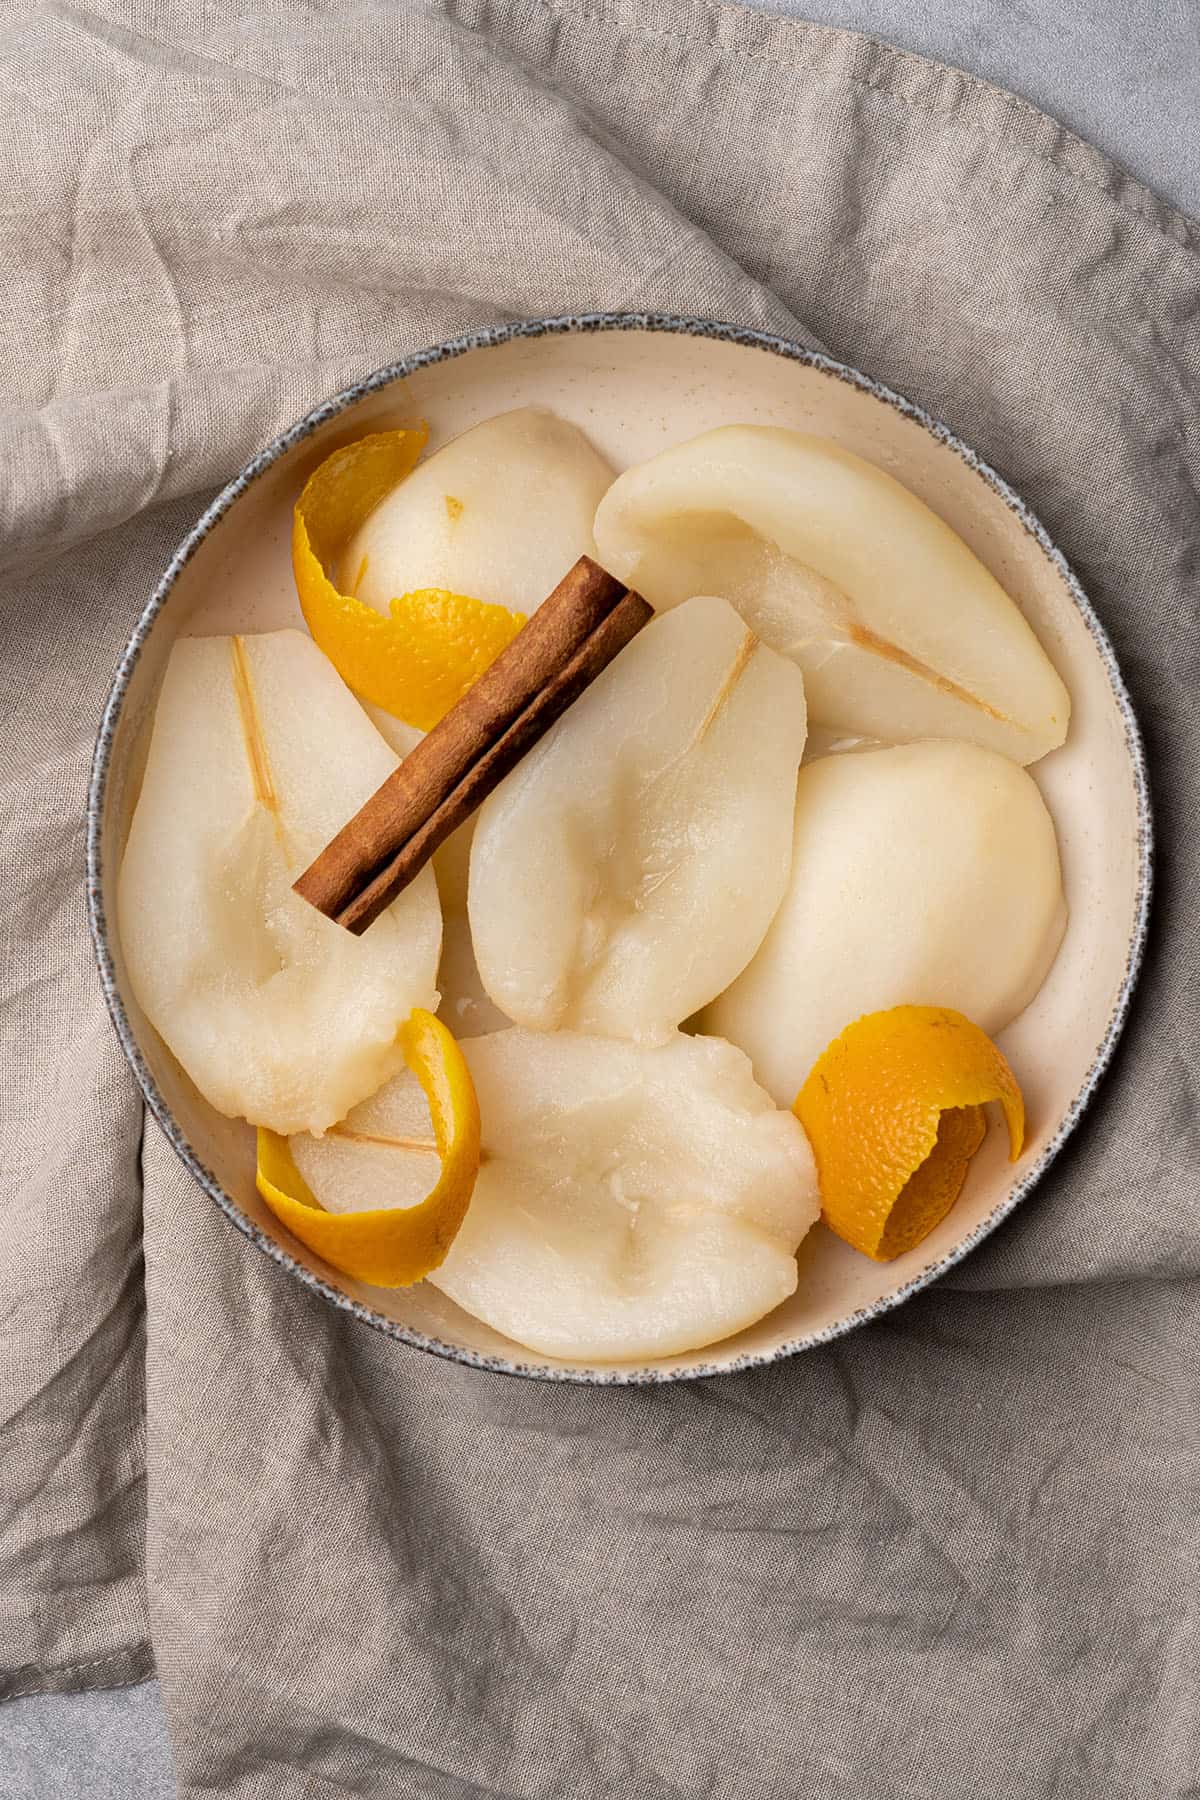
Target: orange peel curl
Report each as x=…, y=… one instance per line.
x=391, y=1246
x=420, y=658
x=893, y=1110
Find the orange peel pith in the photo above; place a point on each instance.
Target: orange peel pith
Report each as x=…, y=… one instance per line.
x=423, y=656
x=392, y=1246
x=893, y=1110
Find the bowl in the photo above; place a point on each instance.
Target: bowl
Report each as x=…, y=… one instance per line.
x=635, y=384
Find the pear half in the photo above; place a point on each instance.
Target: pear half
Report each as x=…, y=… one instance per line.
x=259, y=755
x=630, y=1202
x=500, y=513
x=900, y=630
x=924, y=875
x=628, y=868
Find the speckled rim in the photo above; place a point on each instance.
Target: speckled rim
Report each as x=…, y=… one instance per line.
x=329, y=409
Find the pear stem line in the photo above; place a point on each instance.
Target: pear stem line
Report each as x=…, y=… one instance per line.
x=729, y=681
x=252, y=732
x=733, y=675
x=425, y=1146
x=868, y=640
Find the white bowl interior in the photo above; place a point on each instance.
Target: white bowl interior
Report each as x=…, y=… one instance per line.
x=634, y=392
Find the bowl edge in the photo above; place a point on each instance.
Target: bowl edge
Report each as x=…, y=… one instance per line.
x=487, y=338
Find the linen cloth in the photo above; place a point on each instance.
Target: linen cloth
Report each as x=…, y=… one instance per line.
x=953, y=1554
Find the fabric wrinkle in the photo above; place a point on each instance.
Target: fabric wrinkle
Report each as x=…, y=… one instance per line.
x=949, y=1555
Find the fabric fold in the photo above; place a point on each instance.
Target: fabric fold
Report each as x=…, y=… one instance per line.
x=950, y=1553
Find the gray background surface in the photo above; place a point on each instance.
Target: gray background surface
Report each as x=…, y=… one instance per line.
x=1126, y=76
x=1123, y=73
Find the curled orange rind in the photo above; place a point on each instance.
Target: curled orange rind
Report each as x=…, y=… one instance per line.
x=392, y=1246
x=420, y=658
x=893, y=1110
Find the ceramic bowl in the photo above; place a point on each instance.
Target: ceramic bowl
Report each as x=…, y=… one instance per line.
x=636, y=384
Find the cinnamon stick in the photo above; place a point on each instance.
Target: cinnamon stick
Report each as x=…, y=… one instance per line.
x=573, y=635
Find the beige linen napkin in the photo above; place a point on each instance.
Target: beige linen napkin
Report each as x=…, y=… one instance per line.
x=951, y=1555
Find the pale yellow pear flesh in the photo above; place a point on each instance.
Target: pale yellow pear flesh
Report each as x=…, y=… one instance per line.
x=382, y=1154
x=926, y=875
x=901, y=631
x=259, y=755
x=467, y=1008
x=501, y=513
x=627, y=869
x=631, y=1203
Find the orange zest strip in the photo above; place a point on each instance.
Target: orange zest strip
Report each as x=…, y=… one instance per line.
x=421, y=658
x=893, y=1109
x=392, y=1246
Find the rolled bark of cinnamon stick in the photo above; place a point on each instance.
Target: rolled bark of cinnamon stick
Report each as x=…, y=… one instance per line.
x=574, y=634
